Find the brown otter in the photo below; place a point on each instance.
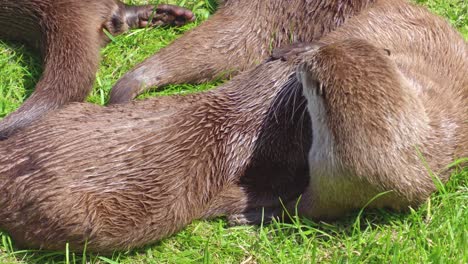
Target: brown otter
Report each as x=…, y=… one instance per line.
x=125, y=175
x=238, y=36
x=122, y=176
x=388, y=108
x=388, y=105
x=68, y=34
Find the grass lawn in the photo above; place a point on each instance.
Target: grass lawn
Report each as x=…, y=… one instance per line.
x=435, y=233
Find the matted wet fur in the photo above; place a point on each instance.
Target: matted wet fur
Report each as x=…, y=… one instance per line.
x=122, y=176
x=240, y=35
x=69, y=33
x=126, y=175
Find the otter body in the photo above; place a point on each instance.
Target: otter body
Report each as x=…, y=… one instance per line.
x=68, y=34
x=121, y=177
x=240, y=35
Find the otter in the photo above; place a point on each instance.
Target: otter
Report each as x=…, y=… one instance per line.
x=237, y=37
x=389, y=110
x=68, y=34
x=122, y=176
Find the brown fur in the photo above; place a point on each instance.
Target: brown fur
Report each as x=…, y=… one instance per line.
x=237, y=37
x=373, y=112
x=123, y=176
x=68, y=34
x=126, y=175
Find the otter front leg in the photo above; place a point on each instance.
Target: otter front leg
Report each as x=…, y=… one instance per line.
x=367, y=125
x=68, y=38
x=242, y=207
x=218, y=47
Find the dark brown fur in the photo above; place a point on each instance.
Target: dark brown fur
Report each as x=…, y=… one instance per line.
x=68, y=34
x=126, y=175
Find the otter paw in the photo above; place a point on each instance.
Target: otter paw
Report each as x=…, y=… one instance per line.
x=172, y=15
x=291, y=51
x=164, y=14
x=253, y=217
x=239, y=219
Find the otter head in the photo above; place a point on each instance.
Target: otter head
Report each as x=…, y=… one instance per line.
x=345, y=82
x=357, y=102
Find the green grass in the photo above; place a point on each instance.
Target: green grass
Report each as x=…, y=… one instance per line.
x=435, y=233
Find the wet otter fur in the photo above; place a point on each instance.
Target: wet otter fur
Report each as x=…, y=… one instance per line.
x=240, y=35
x=123, y=176
x=68, y=34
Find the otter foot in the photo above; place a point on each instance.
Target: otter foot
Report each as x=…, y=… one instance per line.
x=289, y=52
x=164, y=14
x=254, y=217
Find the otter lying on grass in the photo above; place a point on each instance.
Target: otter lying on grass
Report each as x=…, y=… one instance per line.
x=123, y=176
